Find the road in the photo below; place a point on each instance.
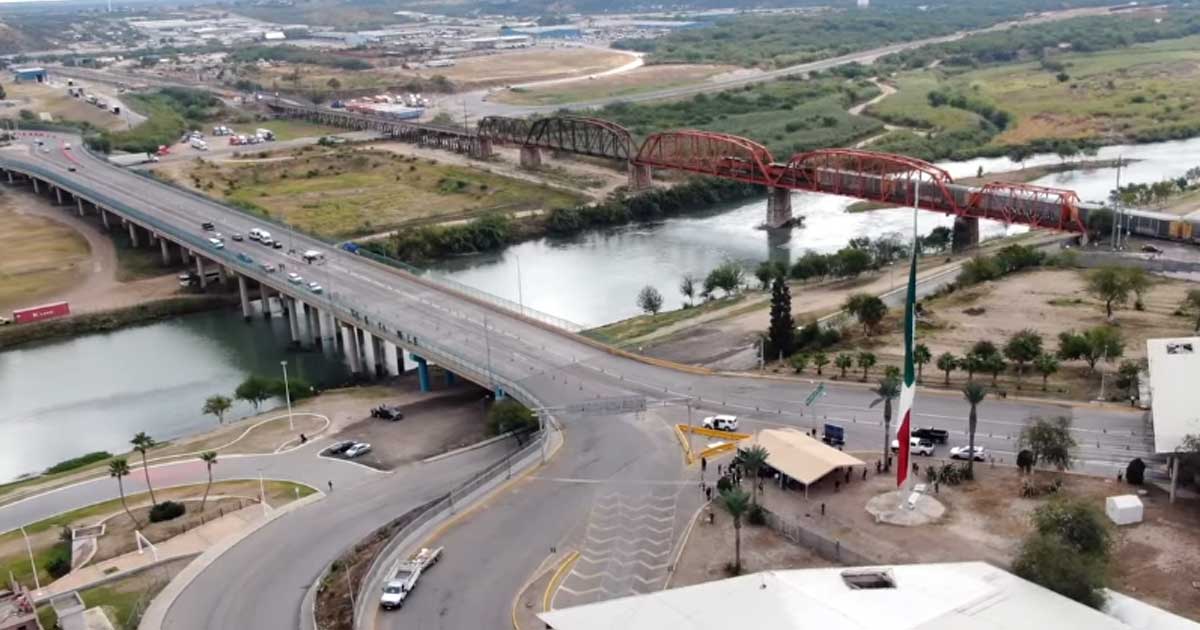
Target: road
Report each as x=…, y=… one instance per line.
x=259, y=584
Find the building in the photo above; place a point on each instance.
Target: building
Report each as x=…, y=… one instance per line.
x=1174, y=366
x=950, y=596
x=863, y=4
x=499, y=42
x=17, y=611
x=274, y=36
x=30, y=75
x=565, y=31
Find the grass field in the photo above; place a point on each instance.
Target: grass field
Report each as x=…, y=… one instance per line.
x=41, y=257
x=636, y=81
x=345, y=192
x=618, y=333
x=124, y=600
x=55, y=101
x=1141, y=91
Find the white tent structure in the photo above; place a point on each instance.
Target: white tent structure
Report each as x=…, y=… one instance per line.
x=800, y=456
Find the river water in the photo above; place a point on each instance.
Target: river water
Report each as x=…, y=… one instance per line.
x=61, y=399
x=65, y=398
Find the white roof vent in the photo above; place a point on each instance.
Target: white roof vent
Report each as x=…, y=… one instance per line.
x=862, y=579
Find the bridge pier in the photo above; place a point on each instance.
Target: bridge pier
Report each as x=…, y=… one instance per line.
x=451, y=379
x=79, y=205
x=133, y=235
x=390, y=358
x=350, y=344
x=531, y=157
x=165, y=249
x=264, y=297
x=36, y=189
x=293, y=323
x=639, y=176
x=10, y=177
x=422, y=373
x=371, y=361
x=58, y=195
x=104, y=220
x=966, y=233
x=484, y=148
x=242, y=290
x=199, y=271
x=314, y=325
x=779, y=207
x=302, y=323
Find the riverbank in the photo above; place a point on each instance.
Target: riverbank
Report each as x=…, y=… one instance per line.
x=15, y=335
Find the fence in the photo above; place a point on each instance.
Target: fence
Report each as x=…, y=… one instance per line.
x=387, y=558
x=829, y=549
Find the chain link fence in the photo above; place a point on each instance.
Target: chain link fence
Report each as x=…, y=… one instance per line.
x=828, y=548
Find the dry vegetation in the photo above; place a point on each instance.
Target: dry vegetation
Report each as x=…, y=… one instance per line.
x=41, y=257
x=39, y=98
x=635, y=81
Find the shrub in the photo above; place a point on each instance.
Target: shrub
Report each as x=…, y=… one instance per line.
x=166, y=511
x=724, y=484
x=78, y=462
x=757, y=515
x=59, y=562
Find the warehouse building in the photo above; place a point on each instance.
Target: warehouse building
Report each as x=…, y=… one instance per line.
x=30, y=75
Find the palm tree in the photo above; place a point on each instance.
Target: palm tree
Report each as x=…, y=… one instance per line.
x=974, y=393
x=217, y=405
x=753, y=459
x=737, y=503
x=209, y=458
x=142, y=443
x=921, y=356
x=946, y=362
x=888, y=390
x=820, y=360
x=118, y=468
x=844, y=362
x=1046, y=364
x=866, y=361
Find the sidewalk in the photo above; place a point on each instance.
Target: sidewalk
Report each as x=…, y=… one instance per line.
x=189, y=543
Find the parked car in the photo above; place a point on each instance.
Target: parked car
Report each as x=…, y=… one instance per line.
x=360, y=448
x=216, y=243
x=916, y=445
x=721, y=423
x=340, y=447
x=268, y=267
x=963, y=452
x=315, y=287
x=387, y=413
x=937, y=436
x=294, y=278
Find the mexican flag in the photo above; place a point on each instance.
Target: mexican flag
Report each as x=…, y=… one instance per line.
x=908, y=390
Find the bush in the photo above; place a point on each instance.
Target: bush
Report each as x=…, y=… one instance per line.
x=509, y=415
x=59, y=562
x=1034, y=489
x=724, y=485
x=78, y=462
x=757, y=515
x=166, y=511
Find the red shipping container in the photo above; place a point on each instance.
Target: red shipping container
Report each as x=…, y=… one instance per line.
x=40, y=313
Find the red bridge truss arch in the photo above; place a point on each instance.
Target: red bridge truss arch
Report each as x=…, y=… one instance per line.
x=870, y=175
x=1035, y=206
x=708, y=153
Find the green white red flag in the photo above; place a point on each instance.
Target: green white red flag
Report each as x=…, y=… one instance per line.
x=908, y=390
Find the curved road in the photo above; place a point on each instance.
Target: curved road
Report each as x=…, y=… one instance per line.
x=611, y=469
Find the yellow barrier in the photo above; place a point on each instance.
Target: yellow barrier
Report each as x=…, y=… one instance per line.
x=681, y=431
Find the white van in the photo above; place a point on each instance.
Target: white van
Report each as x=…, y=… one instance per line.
x=311, y=256
x=255, y=234
x=264, y=237
x=721, y=423
x=199, y=144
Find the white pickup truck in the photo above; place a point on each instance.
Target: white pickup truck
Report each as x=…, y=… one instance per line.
x=404, y=578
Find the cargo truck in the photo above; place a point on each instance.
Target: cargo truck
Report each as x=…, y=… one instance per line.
x=404, y=578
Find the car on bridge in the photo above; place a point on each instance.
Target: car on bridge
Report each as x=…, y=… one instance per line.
x=244, y=258
x=963, y=452
x=315, y=287
x=216, y=243
x=237, y=236
x=268, y=267
x=294, y=278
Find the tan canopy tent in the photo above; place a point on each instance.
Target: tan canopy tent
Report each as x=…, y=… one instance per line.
x=800, y=456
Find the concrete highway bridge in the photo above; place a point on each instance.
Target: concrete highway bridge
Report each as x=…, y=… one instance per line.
x=867, y=175
x=372, y=312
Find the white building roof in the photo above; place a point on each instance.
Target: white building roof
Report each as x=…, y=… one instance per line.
x=950, y=596
x=1174, y=396
x=800, y=456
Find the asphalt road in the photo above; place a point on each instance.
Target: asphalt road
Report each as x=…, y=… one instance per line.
x=259, y=583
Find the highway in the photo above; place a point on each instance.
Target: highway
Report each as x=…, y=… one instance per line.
x=260, y=582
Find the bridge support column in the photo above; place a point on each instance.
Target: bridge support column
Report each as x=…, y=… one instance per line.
x=264, y=296
x=243, y=292
x=500, y=393
x=79, y=205
x=966, y=233
x=350, y=344
x=422, y=373
x=133, y=235
x=779, y=208
x=200, y=271
x=390, y=358
x=104, y=220
x=166, y=251
x=370, y=356
x=303, y=323
x=185, y=254
x=451, y=379
x=58, y=195
x=328, y=329
x=531, y=157
x=10, y=177
x=483, y=149
x=639, y=176
x=314, y=325
x=36, y=189
x=293, y=324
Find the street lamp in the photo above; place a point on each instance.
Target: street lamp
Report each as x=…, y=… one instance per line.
x=287, y=395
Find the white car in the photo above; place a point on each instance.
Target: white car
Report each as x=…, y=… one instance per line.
x=963, y=452
x=66, y=146
x=268, y=267
x=294, y=278
x=915, y=445
x=361, y=448
x=216, y=243
x=721, y=423
x=314, y=287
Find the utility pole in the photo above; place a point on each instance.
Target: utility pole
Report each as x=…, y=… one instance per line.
x=487, y=341
x=1116, y=206
x=287, y=394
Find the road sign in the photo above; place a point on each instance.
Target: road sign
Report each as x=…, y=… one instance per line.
x=816, y=393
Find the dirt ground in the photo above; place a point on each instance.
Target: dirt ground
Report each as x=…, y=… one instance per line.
x=1155, y=560
x=433, y=423
x=118, y=530
x=54, y=100
x=535, y=64
x=637, y=80
x=709, y=550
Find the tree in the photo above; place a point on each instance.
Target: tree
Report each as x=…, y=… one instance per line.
x=1050, y=562
x=728, y=276
x=868, y=309
x=1192, y=301
x=687, y=286
x=509, y=415
x=1022, y=347
x=781, y=335
x=650, y=300
x=217, y=405
x=1109, y=285
x=209, y=458
x=253, y=390
x=938, y=239
x=142, y=443
x=973, y=363
x=1094, y=344
x=1128, y=373
x=994, y=364
x=737, y=503
x=946, y=362
x=820, y=360
x=866, y=361
x=1046, y=364
x=766, y=272
x=1075, y=521
x=1050, y=441
x=118, y=468
x=1137, y=281
x=753, y=460
x=984, y=349
x=888, y=390
x=799, y=361
x=844, y=362
x=335, y=85
x=921, y=356
x=974, y=393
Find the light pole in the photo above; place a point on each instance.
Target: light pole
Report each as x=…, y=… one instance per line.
x=33, y=566
x=287, y=395
x=520, y=287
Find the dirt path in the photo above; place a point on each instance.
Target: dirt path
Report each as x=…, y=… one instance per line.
x=98, y=288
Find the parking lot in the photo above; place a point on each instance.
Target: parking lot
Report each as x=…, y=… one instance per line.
x=435, y=423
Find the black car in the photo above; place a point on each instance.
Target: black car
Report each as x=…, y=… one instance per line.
x=937, y=436
x=339, y=448
x=277, y=245
x=387, y=413
x=208, y=226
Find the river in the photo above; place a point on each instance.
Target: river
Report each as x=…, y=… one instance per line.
x=63, y=398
